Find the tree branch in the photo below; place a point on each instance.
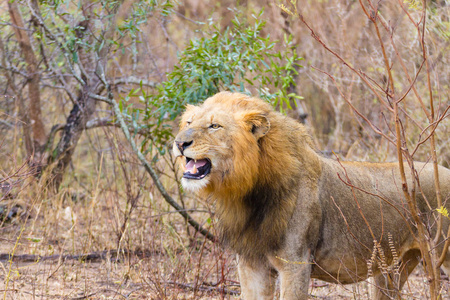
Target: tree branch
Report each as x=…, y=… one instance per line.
x=33, y=112
x=133, y=80
x=152, y=172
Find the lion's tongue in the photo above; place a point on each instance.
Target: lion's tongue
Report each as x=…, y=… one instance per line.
x=197, y=164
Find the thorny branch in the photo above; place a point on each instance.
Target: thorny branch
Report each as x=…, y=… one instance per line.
x=374, y=128
x=360, y=74
x=372, y=10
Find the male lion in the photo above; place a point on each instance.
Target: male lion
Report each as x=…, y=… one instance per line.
x=286, y=210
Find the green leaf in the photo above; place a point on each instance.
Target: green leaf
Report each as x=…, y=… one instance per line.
x=34, y=240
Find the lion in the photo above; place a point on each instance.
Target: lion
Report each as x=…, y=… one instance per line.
x=287, y=211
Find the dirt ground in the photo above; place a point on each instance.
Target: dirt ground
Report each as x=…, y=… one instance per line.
x=107, y=275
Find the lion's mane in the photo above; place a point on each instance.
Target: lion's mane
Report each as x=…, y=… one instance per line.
x=257, y=195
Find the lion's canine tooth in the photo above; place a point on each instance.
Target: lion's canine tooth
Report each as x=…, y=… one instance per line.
x=194, y=170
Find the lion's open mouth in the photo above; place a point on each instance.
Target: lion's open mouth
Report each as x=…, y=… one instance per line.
x=196, y=168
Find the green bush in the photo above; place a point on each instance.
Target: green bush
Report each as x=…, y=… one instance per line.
x=238, y=59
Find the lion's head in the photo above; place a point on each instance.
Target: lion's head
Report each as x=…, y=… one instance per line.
x=220, y=142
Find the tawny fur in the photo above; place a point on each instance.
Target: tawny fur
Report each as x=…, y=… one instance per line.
x=284, y=209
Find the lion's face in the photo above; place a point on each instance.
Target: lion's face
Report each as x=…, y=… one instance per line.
x=204, y=140
x=218, y=143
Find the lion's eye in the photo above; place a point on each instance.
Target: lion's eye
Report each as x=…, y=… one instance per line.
x=215, y=126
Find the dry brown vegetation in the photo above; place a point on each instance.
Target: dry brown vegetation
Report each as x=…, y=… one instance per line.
x=106, y=232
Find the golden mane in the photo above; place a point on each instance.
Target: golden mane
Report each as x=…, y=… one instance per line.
x=258, y=194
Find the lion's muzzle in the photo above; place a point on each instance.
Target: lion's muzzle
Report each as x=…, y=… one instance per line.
x=194, y=168
x=183, y=145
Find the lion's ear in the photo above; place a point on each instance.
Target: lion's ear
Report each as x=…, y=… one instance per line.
x=257, y=123
x=260, y=126
x=187, y=114
x=189, y=107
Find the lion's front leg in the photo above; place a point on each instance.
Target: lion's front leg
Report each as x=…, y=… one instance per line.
x=294, y=281
x=257, y=281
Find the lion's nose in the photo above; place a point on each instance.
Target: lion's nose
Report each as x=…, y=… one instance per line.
x=183, y=145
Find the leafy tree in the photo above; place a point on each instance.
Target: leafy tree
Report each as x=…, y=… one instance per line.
x=67, y=46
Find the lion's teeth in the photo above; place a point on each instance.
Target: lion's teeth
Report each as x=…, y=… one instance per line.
x=194, y=170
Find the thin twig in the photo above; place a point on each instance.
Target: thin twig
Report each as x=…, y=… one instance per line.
x=133, y=80
x=374, y=128
x=204, y=288
x=93, y=256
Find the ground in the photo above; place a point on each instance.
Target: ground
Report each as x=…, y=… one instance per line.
x=107, y=275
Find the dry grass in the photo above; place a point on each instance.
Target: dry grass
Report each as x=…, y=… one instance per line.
x=107, y=203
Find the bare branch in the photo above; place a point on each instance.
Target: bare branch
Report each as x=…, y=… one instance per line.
x=101, y=98
x=343, y=61
x=34, y=111
x=374, y=128
x=133, y=80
